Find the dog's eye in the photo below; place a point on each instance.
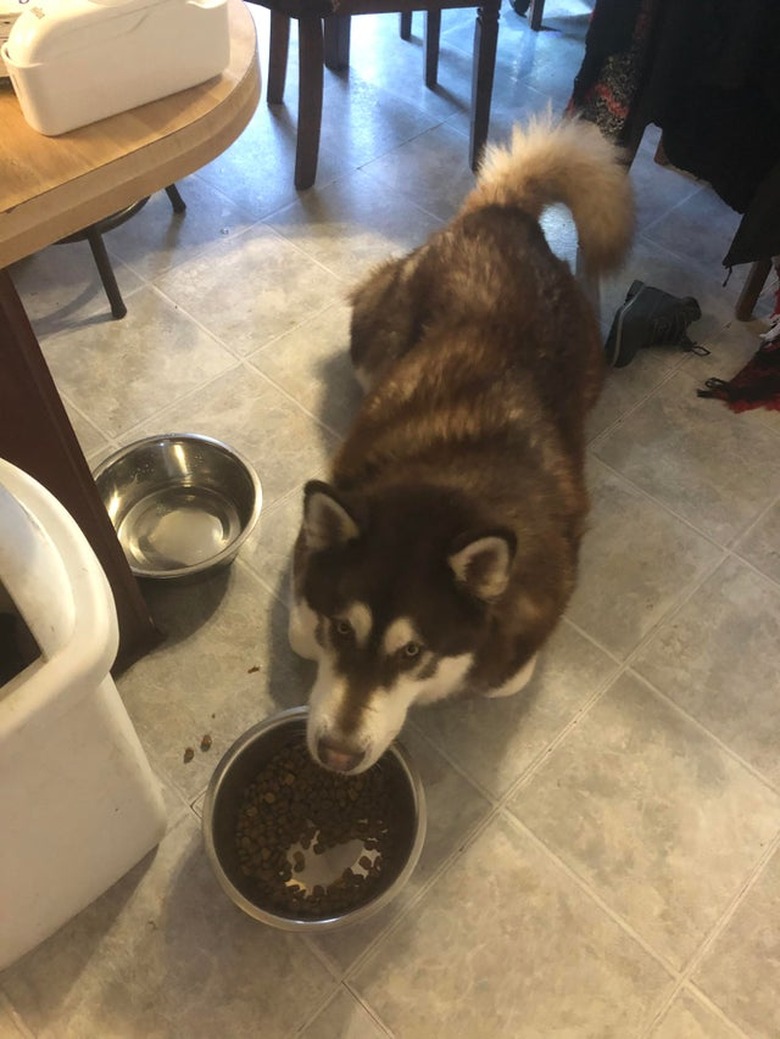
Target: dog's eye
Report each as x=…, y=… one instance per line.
x=411, y=650
x=342, y=627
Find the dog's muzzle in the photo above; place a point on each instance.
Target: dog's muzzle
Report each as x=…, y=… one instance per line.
x=338, y=758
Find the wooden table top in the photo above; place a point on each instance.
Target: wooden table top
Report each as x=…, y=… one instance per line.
x=51, y=187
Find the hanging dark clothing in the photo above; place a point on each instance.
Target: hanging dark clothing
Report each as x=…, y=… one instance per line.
x=708, y=73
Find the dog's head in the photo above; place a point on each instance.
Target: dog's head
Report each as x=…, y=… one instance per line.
x=398, y=597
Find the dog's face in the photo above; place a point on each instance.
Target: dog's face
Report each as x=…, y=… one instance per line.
x=393, y=609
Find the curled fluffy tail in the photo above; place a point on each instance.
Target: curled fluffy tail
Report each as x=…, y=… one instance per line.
x=570, y=162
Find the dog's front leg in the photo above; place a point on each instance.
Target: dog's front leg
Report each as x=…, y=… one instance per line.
x=518, y=681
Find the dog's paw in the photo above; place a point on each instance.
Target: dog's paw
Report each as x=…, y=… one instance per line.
x=514, y=684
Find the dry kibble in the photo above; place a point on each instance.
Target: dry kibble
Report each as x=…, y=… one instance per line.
x=293, y=805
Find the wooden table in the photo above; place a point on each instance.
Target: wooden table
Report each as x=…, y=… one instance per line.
x=54, y=186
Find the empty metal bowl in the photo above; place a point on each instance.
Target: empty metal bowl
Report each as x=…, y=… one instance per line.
x=239, y=768
x=181, y=503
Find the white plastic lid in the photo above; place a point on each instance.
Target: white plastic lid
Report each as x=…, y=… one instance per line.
x=49, y=29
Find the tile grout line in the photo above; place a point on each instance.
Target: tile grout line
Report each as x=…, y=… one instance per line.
x=492, y=799
x=498, y=801
x=703, y=730
x=463, y=845
x=685, y=987
x=320, y=1007
x=730, y=549
x=616, y=423
x=536, y=764
x=622, y=668
x=294, y=400
x=695, y=992
x=590, y=892
x=699, y=188
x=774, y=582
x=648, y=497
x=25, y=1032
x=373, y=1014
x=328, y=1000
x=627, y=667
x=239, y=362
x=684, y=973
x=715, y=932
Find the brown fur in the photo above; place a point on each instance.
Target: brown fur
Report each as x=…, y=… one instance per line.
x=490, y=403
x=484, y=358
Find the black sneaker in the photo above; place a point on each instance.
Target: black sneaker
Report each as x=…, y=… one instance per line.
x=649, y=317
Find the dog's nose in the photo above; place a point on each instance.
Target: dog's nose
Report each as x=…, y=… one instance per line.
x=339, y=759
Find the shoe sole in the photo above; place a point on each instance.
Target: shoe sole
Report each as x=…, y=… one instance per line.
x=617, y=327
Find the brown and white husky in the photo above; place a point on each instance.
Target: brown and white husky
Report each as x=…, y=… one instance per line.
x=442, y=552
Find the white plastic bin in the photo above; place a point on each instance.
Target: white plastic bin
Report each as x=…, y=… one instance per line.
x=79, y=804
x=72, y=62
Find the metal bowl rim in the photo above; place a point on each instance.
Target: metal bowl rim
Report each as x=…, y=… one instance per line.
x=213, y=562
x=282, y=718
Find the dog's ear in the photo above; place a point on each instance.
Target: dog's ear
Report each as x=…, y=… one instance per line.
x=327, y=523
x=483, y=563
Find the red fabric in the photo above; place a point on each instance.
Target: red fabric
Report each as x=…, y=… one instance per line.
x=757, y=385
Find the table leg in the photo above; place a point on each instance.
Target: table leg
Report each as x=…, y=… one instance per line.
x=36, y=435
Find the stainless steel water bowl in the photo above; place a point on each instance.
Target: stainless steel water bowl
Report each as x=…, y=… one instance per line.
x=237, y=770
x=181, y=503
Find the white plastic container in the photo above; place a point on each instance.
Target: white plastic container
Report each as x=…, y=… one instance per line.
x=72, y=62
x=10, y=10
x=79, y=804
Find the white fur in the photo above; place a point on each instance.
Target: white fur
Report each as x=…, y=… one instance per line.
x=325, y=702
x=365, y=379
x=360, y=617
x=326, y=522
x=492, y=582
x=448, y=680
x=385, y=714
x=571, y=162
x=398, y=633
x=301, y=630
x=517, y=682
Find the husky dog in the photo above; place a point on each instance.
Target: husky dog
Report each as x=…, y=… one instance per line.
x=442, y=552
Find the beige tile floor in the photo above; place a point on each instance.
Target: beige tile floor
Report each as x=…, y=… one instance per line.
x=603, y=856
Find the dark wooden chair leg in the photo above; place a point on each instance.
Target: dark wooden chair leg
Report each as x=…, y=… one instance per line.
x=336, y=32
x=311, y=55
x=177, y=202
x=405, y=25
x=754, y=283
x=36, y=435
x=484, y=67
x=106, y=272
x=432, y=35
x=277, y=57
x=535, y=15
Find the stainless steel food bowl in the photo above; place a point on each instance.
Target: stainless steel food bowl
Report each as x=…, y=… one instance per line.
x=237, y=770
x=181, y=503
